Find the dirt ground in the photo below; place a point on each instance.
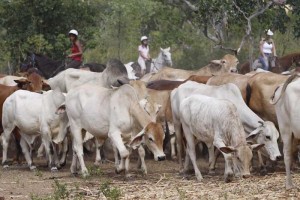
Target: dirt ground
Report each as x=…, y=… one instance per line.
x=162, y=182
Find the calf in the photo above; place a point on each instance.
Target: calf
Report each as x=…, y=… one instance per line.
x=257, y=130
x=33, y=114
x=216, y=122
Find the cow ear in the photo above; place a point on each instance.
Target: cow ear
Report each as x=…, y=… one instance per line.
x=137, y=140
x=217, y=62
x=21, y=82
x=253, y=134
x=256, y=147
x=61, y=109
x=227, y=149
x=161, y=49
x=123, y=81
x=46, y=86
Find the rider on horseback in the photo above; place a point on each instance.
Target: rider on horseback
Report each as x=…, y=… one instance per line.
x=144, y=59
x=267, y=48
x=76, y=51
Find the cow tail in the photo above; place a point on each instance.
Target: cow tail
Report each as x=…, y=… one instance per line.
x=286, y=83
x=248, y=94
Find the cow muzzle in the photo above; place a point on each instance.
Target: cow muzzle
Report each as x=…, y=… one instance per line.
x=161, y=158
x=233, y=71
x=246, y=176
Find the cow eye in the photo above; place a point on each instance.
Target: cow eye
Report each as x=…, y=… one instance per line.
x=268, y=137
x=151, y=140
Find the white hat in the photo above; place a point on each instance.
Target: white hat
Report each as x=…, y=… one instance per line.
x=269, y=32
x=74, y=32
x=144, y=38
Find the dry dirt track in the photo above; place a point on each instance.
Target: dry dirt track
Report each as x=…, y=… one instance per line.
x=162, y=182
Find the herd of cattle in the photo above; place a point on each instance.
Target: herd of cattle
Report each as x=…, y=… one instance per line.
x=230, y=113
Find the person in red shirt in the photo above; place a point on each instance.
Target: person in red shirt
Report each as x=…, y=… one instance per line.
x=76, y=51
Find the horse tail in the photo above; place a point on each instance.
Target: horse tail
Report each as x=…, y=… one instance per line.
x=248, y=94
x=286, y=83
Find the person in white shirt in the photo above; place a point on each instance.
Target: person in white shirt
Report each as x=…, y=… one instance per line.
x=144, y=55
x=267, y=48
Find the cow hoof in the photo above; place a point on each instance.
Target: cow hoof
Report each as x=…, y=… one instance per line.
x=5, y=166
x=32, y=168
x=129, y=177
x=289, y=187
x=54, y=169
x=97, y=163
x=174, y=157
x=211, y=172
x=144, y=172
x=118, y=171
x=62, y=164
x=85, y=174
x=199, y=178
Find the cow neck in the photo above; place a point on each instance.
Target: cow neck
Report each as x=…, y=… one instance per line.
x=137, y=111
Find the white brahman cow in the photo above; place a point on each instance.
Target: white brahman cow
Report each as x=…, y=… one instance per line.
x=34, y=114
x=258, y=131
x=216, y=122
x=116, y=114
x=286, y=101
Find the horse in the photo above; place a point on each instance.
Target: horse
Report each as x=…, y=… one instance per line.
x=276, y=64
x=48, y=68
x=163, y=59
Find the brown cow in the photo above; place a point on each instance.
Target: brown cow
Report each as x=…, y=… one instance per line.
x=239, y=80
x=226, y=65
x=262, y=87
x=170, y=85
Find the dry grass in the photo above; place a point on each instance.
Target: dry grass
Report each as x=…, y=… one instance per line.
x=162, y=182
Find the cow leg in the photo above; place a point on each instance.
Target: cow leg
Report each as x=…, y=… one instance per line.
x=179, y=140
x=50, y=150
x=215, y=157
x=65, y=149
x=5, y=142
x=41, y=151
x=73, y=167
x=118, y=143
x=211, y=155
x=262, y=166
x=191, y=150
x=228, y=174
x=192, y=154
x=287, y=139
x=142, y=154
x=25, y=149
x=78, y=148
x=99, y=143
x=127, y=161
x=116, y=156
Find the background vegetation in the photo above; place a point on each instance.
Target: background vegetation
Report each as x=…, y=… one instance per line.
x=112, y=29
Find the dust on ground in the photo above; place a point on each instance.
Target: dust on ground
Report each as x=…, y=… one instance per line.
x=162, y=182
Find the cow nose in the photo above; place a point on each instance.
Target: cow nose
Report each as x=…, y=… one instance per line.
x=278, y=158
x=161, y=158
x=246, y=175
x=233, y=71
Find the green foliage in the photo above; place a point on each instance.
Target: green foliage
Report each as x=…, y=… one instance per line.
x=112, y=29
x=109, y=192
x=60, y=190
